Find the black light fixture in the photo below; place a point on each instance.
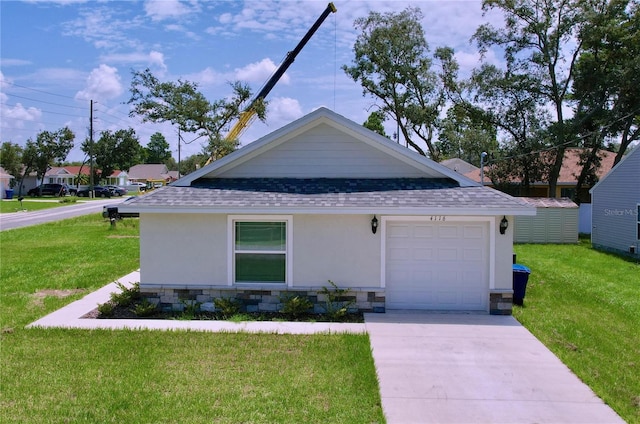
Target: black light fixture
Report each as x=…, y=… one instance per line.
x=504, y=224
x=374, y=224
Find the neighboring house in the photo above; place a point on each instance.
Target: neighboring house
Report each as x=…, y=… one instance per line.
x=150, y=173
x=616, y=207
x=567, y=179
x=5, y=182
x=321, y=199
x=118, y=178
x=556, y=221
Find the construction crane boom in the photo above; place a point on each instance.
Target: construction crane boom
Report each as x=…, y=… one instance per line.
x=249, y=114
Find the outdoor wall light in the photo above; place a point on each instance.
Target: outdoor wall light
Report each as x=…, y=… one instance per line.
x=504, y=224
x=374, y=224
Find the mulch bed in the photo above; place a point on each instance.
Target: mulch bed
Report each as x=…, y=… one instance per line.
x=121, y=312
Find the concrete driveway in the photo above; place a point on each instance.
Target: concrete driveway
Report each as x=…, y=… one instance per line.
x=474, y=368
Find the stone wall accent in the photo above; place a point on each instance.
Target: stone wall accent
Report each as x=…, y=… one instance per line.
x=501, y=302
x=262, y=300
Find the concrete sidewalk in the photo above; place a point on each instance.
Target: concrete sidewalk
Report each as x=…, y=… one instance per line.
x=474, y=368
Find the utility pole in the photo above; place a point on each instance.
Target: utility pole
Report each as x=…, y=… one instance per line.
x=91, y=150
x=178, y=152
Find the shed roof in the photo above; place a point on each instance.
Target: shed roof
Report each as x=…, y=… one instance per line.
x=545, y=202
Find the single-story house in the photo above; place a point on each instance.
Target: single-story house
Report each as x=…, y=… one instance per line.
x=556, y=221
x=151, y=173
x=616, y=207
x=325, y=199
x=5, y=182
x=567, y=179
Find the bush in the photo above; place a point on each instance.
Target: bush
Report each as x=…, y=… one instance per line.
x=295, y=306
x=127, y=296
x=228, y=307
x=336, y=304
x=145, y=309
x=106, y=309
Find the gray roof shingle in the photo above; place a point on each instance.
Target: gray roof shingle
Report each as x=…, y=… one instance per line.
x=325, y=193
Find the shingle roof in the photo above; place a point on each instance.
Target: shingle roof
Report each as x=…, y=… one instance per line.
x=326, y=194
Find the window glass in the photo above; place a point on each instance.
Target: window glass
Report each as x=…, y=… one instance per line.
x=263, y=268
x=260, y=252
x=258, y=236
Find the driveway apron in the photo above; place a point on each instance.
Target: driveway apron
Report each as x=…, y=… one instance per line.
x=474, y=368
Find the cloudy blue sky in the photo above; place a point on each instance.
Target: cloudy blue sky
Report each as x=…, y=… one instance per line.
x=56, y=56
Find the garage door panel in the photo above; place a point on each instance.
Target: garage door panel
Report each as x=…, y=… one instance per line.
x=446, y=269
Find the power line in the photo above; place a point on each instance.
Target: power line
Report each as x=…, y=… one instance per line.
x=39, y=91
x=49, y=103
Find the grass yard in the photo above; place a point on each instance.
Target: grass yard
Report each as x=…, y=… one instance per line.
x=60, y=376
x=9, y=206
x=585, y=306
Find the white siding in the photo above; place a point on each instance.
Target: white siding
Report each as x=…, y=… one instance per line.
x=183, y=249
x=550, y=225
x=614, y=206
x=340, y=248
x=323, y=152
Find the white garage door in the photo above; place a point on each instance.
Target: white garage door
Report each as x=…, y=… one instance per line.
x=437, y=266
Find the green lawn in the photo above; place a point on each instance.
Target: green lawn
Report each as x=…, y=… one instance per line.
x=8, y=206
x=60, y=376
x=585, y=306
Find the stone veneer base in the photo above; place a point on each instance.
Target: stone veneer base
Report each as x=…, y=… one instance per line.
x=501, y=302
x=257, y=300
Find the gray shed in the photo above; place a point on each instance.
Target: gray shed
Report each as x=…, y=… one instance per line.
x=556, y=221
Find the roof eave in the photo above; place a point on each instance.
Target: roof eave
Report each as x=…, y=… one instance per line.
x=439, y=211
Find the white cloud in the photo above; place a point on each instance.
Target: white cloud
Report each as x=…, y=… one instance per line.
x=284, y=110
x=153, y=59
x=103, y=83
x=159, y=10
x=259, y=72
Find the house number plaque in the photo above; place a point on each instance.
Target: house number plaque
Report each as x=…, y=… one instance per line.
x=438, y=218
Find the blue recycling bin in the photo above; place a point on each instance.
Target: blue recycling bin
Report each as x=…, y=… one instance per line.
x=8, y=194
x=520, y=279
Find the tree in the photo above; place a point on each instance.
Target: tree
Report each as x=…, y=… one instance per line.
x=11, y=159
x=192, y=163
x=539, y=43
x=508, y=102
x=374, y=123
x=157, y=150
x=465, y=134
x=606, y=88
x=115, y=150
x=49, y=148
x=392, y=64
x=183, y=105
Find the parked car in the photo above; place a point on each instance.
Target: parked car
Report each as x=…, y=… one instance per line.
x=49, y=190
x=98, y=191
x=140, y=186
x=117, y=191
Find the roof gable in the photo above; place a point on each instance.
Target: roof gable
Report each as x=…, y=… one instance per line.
x=632, y=159
x=324, y=144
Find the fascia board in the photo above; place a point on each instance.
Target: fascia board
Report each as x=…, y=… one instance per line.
x=512, y=211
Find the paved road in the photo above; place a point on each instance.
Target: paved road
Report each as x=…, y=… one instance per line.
x=24, y=219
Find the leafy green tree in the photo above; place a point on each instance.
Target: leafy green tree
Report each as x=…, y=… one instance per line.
x=48, y=149
x=465, y=134
x=374, y=123
x=183, y=105
x=114, y=150
x=507, y=102
x=392, y=64
x=192, y=163
x=11, y=159
x=606, y=88
x=539, y=43
x=157, y=150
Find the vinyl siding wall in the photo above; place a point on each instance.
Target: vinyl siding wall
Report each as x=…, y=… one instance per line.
x=323, y=152
x=549, y=225
x=615, y=205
